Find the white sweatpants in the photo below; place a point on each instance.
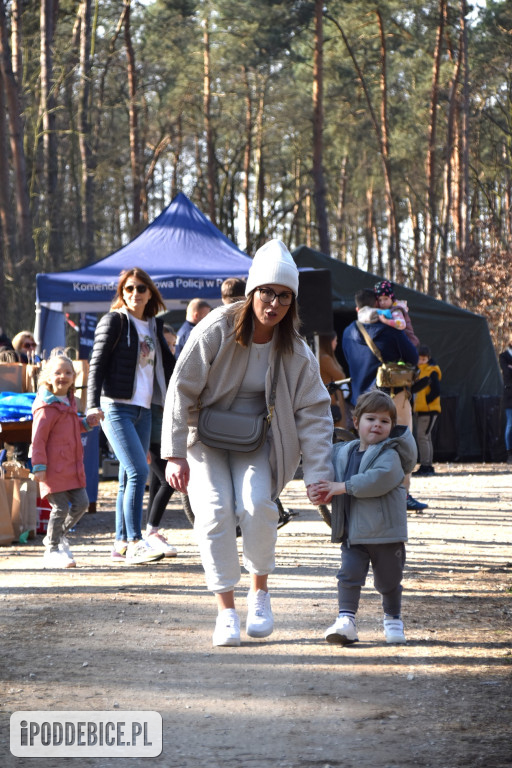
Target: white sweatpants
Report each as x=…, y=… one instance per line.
x=227, y=489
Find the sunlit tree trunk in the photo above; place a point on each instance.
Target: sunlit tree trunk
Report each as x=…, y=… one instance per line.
x=7, y=249
x=247, y=160
x=464, y=176
x=368, y=228
x=52, y=202
x=395, y=266
x=25, y=244
x=133, y=111
x=319, y=193
x=260, y=171
x=341, y=215
x=428, y=266
x=210, y=154
x=84, y=131
x=446, y=274
x=177, y=150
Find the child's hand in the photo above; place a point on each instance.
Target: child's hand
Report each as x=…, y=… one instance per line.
x=326, y=490
x=41, y=475
x=318, y=493
x=94, y=417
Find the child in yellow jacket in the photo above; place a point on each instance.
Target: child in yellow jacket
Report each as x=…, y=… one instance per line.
x=426, y=410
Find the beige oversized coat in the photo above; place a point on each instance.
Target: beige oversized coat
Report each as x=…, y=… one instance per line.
x=210, y=369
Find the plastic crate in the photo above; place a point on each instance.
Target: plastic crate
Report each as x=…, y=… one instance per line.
x=43, y=515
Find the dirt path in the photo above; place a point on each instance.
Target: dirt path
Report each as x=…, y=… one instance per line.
x=101, y=637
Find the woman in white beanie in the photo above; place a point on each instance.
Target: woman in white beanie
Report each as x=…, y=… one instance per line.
x=229, y=364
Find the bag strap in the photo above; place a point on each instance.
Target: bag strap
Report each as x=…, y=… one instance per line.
x=273, y=389
x=370, y=341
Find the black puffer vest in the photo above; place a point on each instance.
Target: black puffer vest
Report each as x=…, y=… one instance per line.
x=114, y=359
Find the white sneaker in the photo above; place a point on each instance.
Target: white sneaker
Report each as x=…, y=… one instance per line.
x=57, y=558
x=227, y=628
x=139, y=552
x=260, y=621
x=159, y=543
x=394, y=631
x=342, y=632
x=63, y=545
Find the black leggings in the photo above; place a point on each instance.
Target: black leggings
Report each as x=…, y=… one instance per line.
x=159, y=489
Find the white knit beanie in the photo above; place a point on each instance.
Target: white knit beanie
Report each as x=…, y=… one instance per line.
x=273, y=264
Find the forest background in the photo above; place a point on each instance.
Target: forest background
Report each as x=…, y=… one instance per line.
x=378, y=133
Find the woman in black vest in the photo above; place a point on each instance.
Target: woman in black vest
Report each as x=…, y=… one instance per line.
x=130, y=367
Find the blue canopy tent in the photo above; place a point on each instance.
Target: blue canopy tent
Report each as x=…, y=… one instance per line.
x=185, y=254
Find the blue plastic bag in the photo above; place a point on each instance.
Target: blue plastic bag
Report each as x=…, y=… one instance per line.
x=16, y=406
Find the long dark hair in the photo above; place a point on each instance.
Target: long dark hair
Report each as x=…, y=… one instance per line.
x=325, y=344
x=288, y=327
x=154, y=305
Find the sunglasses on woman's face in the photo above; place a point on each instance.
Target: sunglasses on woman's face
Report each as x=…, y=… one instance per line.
x=141, y=288
x=29, y=345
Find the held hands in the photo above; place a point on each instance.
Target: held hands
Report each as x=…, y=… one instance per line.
x=323, y=491
x=94, y=416
x=177, y=474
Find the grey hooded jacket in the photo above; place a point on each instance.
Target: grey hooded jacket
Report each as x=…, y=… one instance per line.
x=378, y=506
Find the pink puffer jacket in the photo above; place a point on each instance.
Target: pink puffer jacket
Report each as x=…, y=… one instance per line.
x=56, y=443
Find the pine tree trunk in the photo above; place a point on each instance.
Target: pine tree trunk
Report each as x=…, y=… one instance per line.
x=134, y=122
x=464, y=177
x=210, y=153
x=84, y=132
x=247, y=161
x=341, y=217
x=318, y=172
x=7, y=227
x=444, y=273
x=368, y=229
x=431, y=207
x=178, y=146
x=25, y=244
x=49, y=123
x=395, y=267
x=260, y=171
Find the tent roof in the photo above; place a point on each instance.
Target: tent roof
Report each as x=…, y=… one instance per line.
x=459, y=340
x=185, y=254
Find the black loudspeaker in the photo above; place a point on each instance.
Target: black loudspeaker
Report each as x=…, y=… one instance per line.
x=315, y=302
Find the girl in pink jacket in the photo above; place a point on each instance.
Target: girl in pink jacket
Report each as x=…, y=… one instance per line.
x=58, y=457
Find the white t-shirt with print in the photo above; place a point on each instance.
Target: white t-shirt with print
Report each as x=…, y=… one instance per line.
x=144, y=375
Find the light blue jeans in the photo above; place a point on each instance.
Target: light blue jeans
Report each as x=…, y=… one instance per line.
x=128, y=429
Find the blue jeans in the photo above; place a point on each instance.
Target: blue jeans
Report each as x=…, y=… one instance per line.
x=128, y=429
x=508, y=429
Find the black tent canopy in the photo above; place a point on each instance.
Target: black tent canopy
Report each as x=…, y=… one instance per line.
x=459, y=340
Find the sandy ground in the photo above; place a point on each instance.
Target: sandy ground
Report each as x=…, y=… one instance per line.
x=106, y=637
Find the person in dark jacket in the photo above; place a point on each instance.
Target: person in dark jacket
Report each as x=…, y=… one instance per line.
x=506, y=370
x=393, y=345
x=130, y=368
x=196, y=310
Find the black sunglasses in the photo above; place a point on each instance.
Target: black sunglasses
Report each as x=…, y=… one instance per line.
x=141, y=288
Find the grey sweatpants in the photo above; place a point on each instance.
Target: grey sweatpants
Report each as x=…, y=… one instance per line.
x=67, y=509
x=424, y=426
x=226, y=489
x=387, y=561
